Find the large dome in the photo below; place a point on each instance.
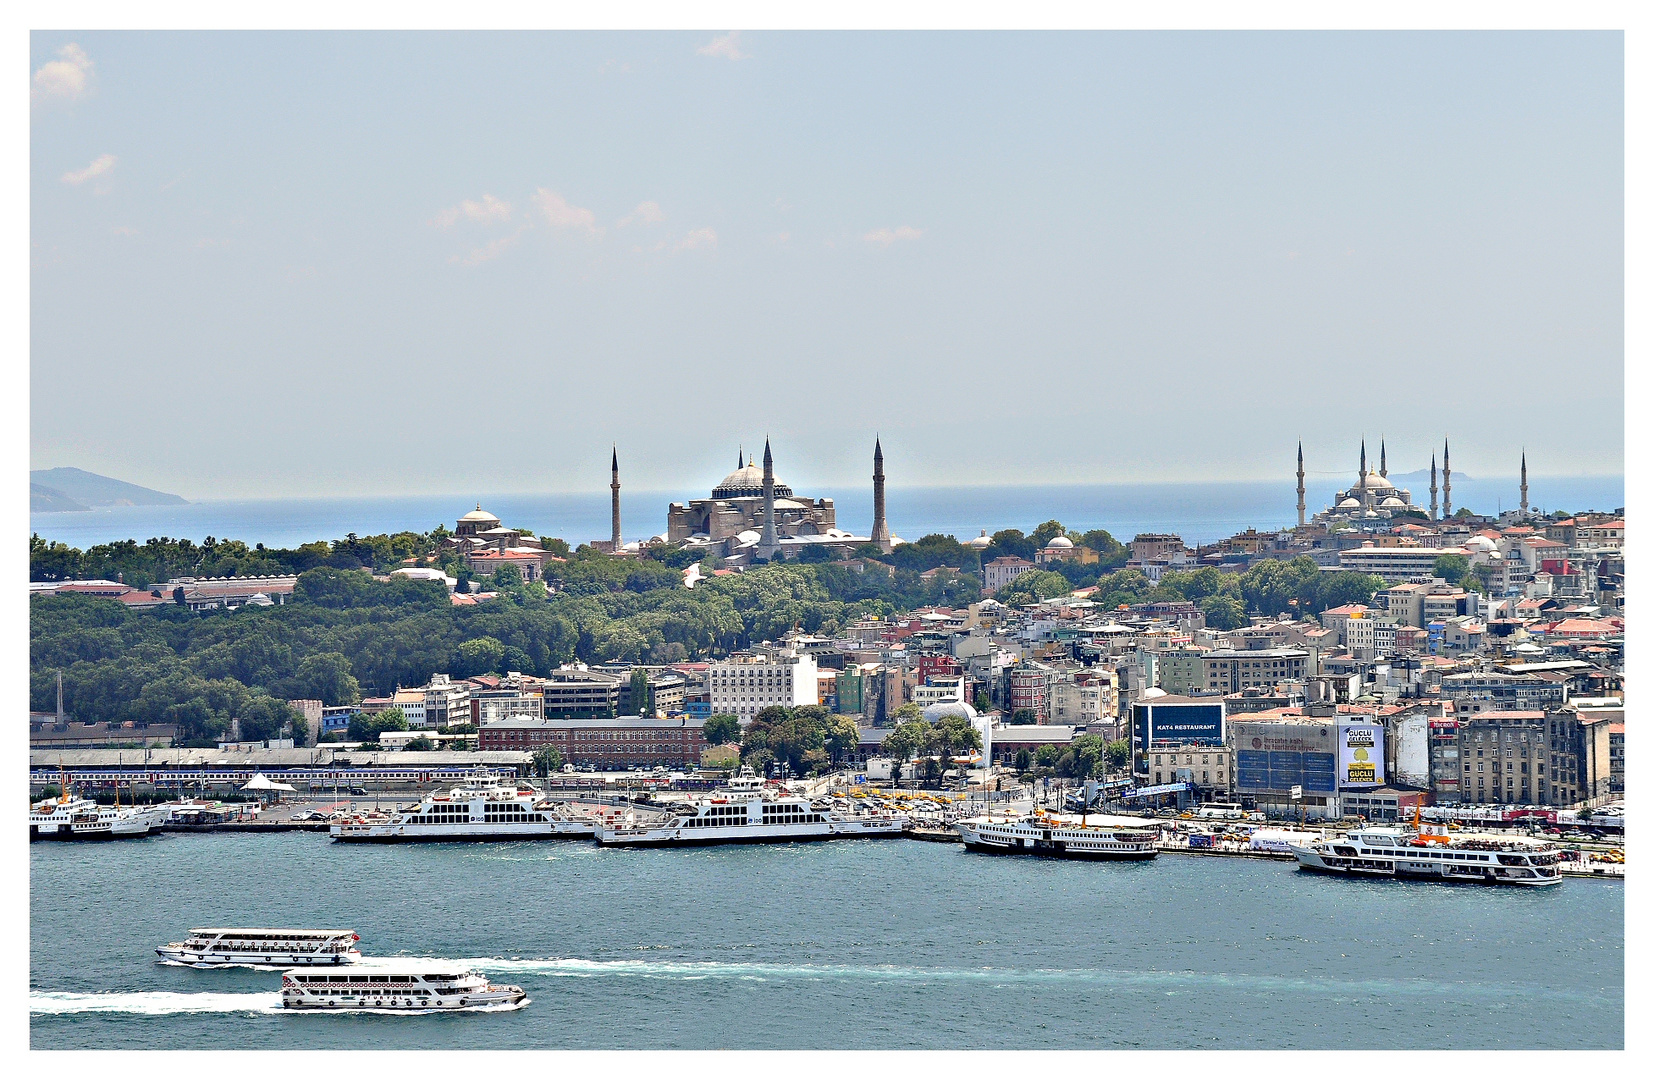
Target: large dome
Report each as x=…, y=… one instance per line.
x=748, y=482
x=1375, y=483
x=1059, y=541
x=960, y=709
x=480, y=515
x=979, y=542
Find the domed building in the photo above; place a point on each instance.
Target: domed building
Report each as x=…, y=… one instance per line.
x=740, y=521
x=1371, y=498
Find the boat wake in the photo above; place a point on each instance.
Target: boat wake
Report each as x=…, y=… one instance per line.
x=225, y=967
x=150, y=1003
x=1169, y=982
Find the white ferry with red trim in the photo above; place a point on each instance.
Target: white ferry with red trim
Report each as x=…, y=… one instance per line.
x=1384, y=851
x=1061, y=836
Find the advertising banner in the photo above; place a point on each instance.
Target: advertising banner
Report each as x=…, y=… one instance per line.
x=1360, y=755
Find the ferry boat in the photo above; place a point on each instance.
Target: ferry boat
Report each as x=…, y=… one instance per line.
x=402, y=985
x=483, y=807
x=1387, y=851
x=1059, y=836
x=221, y=947
x=744, y=815
x=70, y=817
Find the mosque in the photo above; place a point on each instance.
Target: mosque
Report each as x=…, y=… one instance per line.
x=752, y=515
x=1373, y=499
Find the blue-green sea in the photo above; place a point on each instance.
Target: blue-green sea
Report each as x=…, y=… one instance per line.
x=850, y=945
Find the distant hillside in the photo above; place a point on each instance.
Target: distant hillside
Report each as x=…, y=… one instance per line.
x=45, y=499
x=83, y=490
x=1422, y=476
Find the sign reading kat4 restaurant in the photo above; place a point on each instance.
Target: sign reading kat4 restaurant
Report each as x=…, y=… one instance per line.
x=1360, y=755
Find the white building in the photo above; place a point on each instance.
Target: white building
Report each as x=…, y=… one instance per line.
x=1393, y=564
x=939, y=690
x=1000, y=572
x=746, y=684
x=446, y=702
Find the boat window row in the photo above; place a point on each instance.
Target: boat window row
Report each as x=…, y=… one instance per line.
x=512, y=818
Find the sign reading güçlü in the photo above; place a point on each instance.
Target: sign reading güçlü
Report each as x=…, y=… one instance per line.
x=1360, y=755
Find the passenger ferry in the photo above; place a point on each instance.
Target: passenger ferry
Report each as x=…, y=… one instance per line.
x=403, y=985
x=1059, y=836
x=483, y=807
x=69, y=817
x=747, y=816
x=1386, y=851
x=218, y=947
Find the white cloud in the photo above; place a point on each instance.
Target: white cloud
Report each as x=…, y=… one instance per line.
x=560, y=215
x=647, y=213
x=725, y=45
x=65, y=79
x=102, y=165
x=696, y=238
x=488, y=211
x=886, y=237
x=491, y=250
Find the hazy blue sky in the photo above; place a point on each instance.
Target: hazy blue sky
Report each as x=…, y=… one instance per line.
x=292, y=264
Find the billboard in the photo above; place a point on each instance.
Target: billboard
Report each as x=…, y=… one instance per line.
x=1275, y=757
x=1177, y=721
x=1360, y=755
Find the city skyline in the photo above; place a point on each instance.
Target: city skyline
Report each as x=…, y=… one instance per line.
x=534, y=247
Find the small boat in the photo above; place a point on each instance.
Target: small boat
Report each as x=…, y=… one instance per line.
x=226, y=947
x=399, y=984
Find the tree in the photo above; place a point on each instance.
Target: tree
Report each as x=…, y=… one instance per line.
x=546, y=760
x=1024, y=761
x=1223, y=612
x=420, y=742
x=366, y=727
x=1090, y=757
x=1047, y=756
x=1043, y=534
x=1118, y=754
x=638, y=698
x=1025, y=716
x=720, y=729
x=326, y=677
x=983, y=704
x=1451, y=567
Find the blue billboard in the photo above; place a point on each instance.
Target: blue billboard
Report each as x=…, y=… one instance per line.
x=1282, y=770
x=1177, y=722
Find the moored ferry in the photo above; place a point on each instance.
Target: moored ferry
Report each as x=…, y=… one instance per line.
x=1059, y=836
x=403, y=985
x=747, y=816
x=228, y=947
x=1383, y=851
x=70, y=817
x=483, y=807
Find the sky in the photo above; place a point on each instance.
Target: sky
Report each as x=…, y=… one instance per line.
x=323, y=264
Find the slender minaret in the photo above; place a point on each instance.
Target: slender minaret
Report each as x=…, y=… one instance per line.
x=1432, y=487
x=1524, y=482
x=1447, y=483
x=881, y=529
x=1361, y=477
x=614, y=498
x=1300, y=483
x=768, y=543
x=1383, y=465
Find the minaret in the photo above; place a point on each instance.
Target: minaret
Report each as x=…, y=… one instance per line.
x=881, y=529
x=1432, y=487
x=1524, y=482
x=1361, y=477
x=768, y=543
x=614, y=500
x=1300, y=483
x=1447, y=483
x=1383, y=466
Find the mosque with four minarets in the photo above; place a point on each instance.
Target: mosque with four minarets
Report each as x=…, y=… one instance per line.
x=1373, y=499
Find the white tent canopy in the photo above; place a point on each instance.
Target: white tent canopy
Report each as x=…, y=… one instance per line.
x=260, y=782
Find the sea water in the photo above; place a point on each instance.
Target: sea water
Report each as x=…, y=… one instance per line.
x=1200, y=513
x=867, y=944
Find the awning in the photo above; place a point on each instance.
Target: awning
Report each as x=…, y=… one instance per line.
x=260, y=782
